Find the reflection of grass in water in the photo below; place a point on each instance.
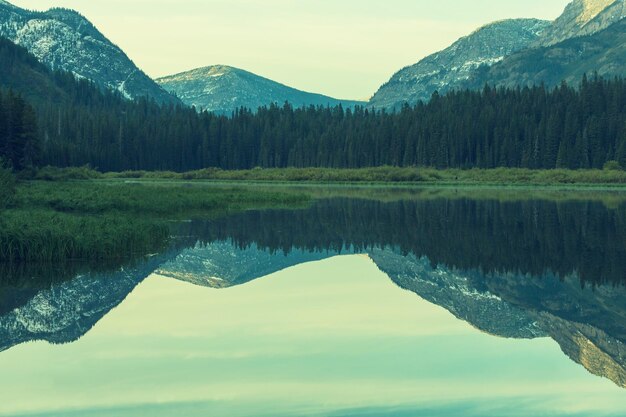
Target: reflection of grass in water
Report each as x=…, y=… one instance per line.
x=87, y=220
x=610, y=197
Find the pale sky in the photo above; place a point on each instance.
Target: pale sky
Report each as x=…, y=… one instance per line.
x=342, y=48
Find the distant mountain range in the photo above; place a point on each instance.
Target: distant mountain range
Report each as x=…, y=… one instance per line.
x=222, y=264
x=500, y=304
x=222, y=89
x=586, y=38
x=64, y=39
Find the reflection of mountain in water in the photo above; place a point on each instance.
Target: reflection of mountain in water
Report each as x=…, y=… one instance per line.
x=452, y=253
x=589, y=323
x=223, y=264
x=62, y=312
x=455, y=292
x=518, y=270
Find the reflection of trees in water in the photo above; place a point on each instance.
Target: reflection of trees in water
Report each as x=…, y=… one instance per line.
x=531, y=237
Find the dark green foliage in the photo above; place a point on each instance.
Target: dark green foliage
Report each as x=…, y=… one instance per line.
x=612, y=166
x=46, y=236
x=19, y=140
x=7, y=185
x=522, y=128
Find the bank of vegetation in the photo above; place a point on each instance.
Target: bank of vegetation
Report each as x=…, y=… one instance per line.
x=610, y=176
x=61, y=221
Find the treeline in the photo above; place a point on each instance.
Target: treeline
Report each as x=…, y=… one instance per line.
x=527, y=128
x=19, y=139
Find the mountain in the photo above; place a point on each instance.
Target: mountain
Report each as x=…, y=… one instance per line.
x=447, y=69
x=63, y=39
x=603, y=53
x=587, y=37
x=222, y=89
x=583, y=17
x=223, y=264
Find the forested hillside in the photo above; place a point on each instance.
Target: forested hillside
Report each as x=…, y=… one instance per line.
x=582, y=127
x=19, y=142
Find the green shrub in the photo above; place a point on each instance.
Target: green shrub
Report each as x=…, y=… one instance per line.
x=63, y=174
x=612, y=166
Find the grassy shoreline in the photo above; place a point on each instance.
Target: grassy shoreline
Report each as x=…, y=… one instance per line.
x=381, y=175
x=61, y=221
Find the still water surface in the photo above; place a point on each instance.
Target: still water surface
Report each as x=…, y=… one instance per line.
x=352, y=307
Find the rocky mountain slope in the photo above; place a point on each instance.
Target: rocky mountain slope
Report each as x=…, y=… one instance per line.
x=603, y=53
x=586, y=38
x=222, y=89
x=63, y=39
x=583, y=17
x=447, y=69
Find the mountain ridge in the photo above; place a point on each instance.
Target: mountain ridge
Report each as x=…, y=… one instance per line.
x=477, y=55
x=444, y=70
x=602, y=53
x=64, y=39
x=223, y=89
x=582, y=18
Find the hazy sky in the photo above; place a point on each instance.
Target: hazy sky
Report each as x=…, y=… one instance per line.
x=343, y=48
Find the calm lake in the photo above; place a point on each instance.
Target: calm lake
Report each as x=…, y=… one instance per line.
x=407, y=303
